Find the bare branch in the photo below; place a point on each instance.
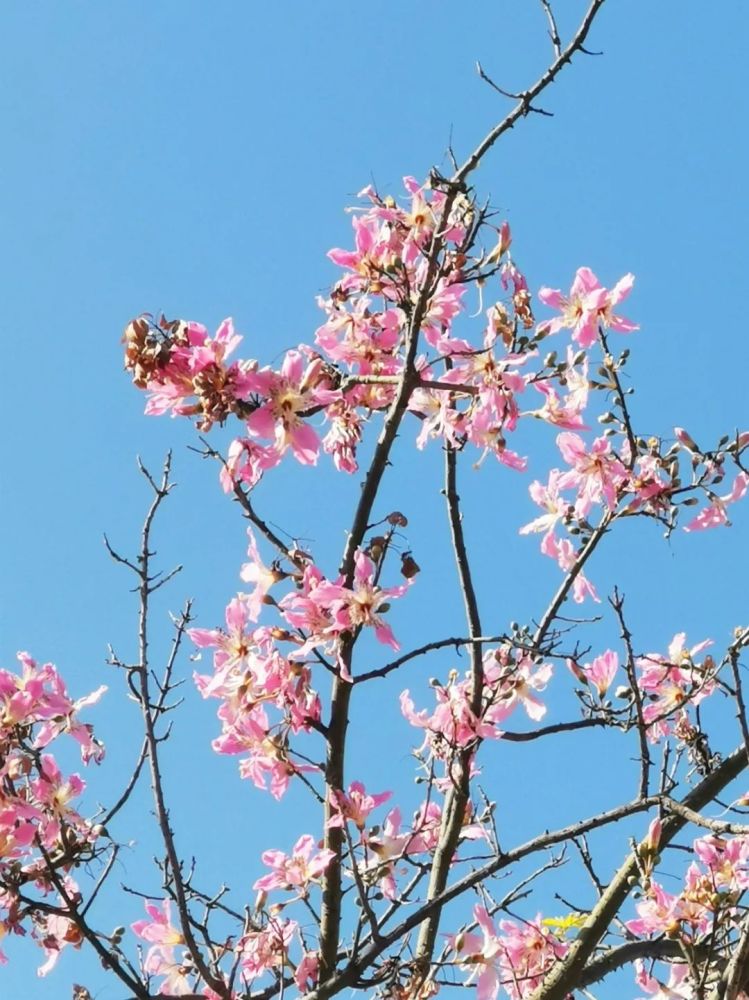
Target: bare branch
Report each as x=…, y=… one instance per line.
x=428, y=647
x=617, y=603
x=553, y=31
x=526, y=98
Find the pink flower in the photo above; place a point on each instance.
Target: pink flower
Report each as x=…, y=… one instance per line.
x=158, y=929
x=246, y=461
x=232, y=646
x=479, y=955
x=566, y=412
x=529, y=950
x=715, y=514
x=160, y=959
x=263, y=950
x=486, y=432
x=249, y=732
x=679, y=986
x=596, y=473
x=672, y=681
x=601, y=672
x=587, y=305
x=515, y=958
x=363, y=338
x=563, y=551
x=727, y=861
x=55, y=932
x=39, y=695
x=513, y=680
x=288, y=394
x=344, y=435
x=440, y=417
x=547, y=497
x=658, y=913
x=294, y=871
x=255, y=571
x=361, y=605
x=302, y=609
x=453, y=723
x=442, y=308
x=651, y=485
x=179, y=362
x=356, y=805
x=53, y=792
x=387, y=847
x=307, y=972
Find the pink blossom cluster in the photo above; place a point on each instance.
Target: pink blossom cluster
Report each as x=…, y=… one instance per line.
x=258, y=951
x=184, y=370
x=600, y=476
x=39, y=818
x=383, y=849
x=407, y=275
x=706, y=907
x=514, y=957
x=252, y=676
x=464, y=393
x=268, y=949
x=671, y=683
x=511, y=679
x=596, y=475
x=368, y=310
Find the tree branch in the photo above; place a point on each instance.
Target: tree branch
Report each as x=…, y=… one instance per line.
x=525, y=100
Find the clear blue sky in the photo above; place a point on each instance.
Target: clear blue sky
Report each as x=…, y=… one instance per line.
x=196, y=158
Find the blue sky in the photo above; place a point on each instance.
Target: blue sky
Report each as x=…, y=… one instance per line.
x=196, y=158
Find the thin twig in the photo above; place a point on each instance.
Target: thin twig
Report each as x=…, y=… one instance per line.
x=428, y=647
x=617, y=603
x=553, y=30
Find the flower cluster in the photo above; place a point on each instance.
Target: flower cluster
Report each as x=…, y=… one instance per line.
x=705, y=910
x=253, y=676
x=388, y=295
x=511, y=678
x=381, y=852
x=42, y=833
x=514, y=958
x=670, y=683
x=606, y=476
x=259, y=951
